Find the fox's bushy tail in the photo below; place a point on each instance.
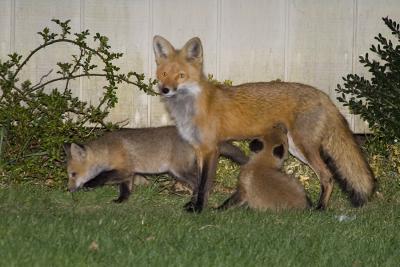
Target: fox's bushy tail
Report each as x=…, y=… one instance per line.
x=345, y=160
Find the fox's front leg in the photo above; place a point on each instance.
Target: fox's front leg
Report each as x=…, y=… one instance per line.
x=125, y=190
x=206, y=164
x=125, y=186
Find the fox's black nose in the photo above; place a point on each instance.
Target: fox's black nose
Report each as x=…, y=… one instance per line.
x=71, y=189
x=165, y=90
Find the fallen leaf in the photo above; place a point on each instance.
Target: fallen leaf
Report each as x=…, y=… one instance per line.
x=49, y=182
x=94, y=246
x=150, y=238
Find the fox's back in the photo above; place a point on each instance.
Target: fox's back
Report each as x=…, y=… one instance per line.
x=271, y=189
x=255, y=107
x=282, y=95
x=145, y=150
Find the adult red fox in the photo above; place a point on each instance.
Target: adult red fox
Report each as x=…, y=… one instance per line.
x=117, y=156
x=206, y=115
x=262, y=184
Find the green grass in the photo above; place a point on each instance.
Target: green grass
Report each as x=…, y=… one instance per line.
x=41, y=227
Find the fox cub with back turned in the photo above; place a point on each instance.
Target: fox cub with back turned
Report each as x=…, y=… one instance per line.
x=117, y=156
x=262, y=184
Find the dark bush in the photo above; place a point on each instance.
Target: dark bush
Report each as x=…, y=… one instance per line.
x=377, y=100
x=36, y=118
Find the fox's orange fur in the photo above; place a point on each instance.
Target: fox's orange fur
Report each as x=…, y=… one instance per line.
x=206, y=115
x=262, y=184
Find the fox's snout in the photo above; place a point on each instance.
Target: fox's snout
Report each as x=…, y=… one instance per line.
x=72, y=189
x=164, y=90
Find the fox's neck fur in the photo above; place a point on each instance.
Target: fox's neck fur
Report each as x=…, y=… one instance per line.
x=182, y=107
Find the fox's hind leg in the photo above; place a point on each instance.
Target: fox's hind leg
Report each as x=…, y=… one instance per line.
x=325, y=178
x=188, y=175
x=234, y=200
x=313, y=159
x=305, y=139
x=125, y=189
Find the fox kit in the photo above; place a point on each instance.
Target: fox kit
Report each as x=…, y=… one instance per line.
x=262, y=185
x=206, y=115
x=116, y=157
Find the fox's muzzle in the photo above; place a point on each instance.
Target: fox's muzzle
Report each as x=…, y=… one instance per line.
x=164, y=90
x=72, y=189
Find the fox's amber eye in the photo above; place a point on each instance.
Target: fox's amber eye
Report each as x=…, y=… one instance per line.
x=181, y=75
x=164, y=74
x=73, y=174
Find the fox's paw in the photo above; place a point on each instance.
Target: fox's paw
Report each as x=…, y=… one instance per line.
x=120, y=200
x=219, y=208
x=192, y=207
x=320, y=207
x=187, y=205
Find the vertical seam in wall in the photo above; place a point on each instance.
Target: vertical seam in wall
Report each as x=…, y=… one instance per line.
x=218, y=44
x=81, y=28
x=286, y=45
x=355, y=26
x=354, y=52
x=150, y=32
x=12, y=27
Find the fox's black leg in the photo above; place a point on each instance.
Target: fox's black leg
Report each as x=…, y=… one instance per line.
x=125, y=189
x=207, y=168
x=196, y=205
x=234, y=200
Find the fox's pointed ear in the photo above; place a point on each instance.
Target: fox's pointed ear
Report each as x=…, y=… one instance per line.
x=256, y=145
x=279, y=151
x=162, y=48
x=194, y=50
x=77, y=151
x=67, y=149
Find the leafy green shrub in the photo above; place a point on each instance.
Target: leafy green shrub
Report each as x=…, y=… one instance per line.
x=377, y=100
x=36, y=121
x=386, y=167
x=225, y=83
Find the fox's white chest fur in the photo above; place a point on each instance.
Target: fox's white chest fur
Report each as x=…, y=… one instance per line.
x=182, y=107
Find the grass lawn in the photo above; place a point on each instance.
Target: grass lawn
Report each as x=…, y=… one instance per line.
x=42, y=227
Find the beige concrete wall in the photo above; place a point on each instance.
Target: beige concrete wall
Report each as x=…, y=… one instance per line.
x=308, y=41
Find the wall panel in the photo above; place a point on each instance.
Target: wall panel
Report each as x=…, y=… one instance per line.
x=30, y=18
x=320, y=44
x=126, y=24
x=6, y=15
x=252, y=46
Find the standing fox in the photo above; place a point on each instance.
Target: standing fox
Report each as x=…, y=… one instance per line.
x=206, y=115
x=116, y=157
x=262, y=185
